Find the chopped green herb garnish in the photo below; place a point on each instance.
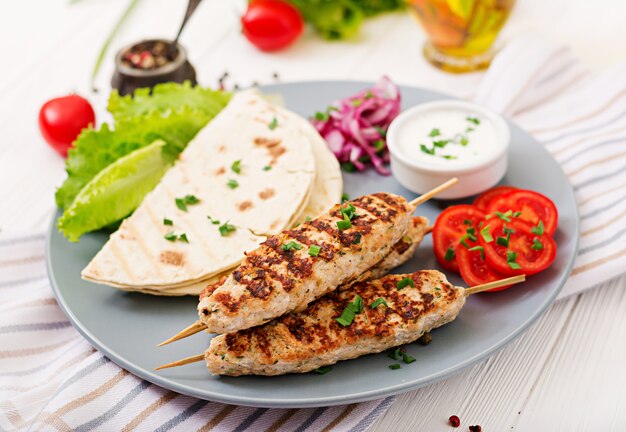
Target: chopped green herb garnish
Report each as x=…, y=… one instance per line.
x=395, y=354
x=449, y=157
x=506, y=216
x=233, y=184
x=463, y=242
x=537, y=245
x=314, y=250
x=463, y=141
x=183, y=238
x=171, y=236
x=344, y=224
x=503, y=241
x=508, y=231
x=407, y=358
x=323, y=370
x=434, y=132
x=291, y=245
x=517, y=214
x=167, y=221
x=357, y=238
x=308, y=219
x=350, y=311
x=427, y=150
x=267, y=168
x=273, y=124
x=180, y=203
x=467, y=222
x=379, y=145
x=403, y=283
x=472, y=233
x=539, y=229
x=213, y=221
x=226, y=229
x=357, y=102
x=395, y=366
x=473, y=120
x=480, y=249
x=369, y=95
x=469, y=129
x=348, y=167
x=321, y=116
x=440, y=143
x=449, y=254
x=382, y=132
x=486, y=234
x=348, y=211
x=345, y=197
x=236, y=166
x=379, y=301
x=510, y=260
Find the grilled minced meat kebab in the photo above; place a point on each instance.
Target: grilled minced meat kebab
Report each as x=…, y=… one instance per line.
x=401, y=252
x=285, y=274
x=304, y=341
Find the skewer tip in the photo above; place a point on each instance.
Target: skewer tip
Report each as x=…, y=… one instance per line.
x=431, y=193
x=181, y=362
x=191, y=330
x=495, y=284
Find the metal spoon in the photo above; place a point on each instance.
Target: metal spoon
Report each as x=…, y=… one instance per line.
x=191, y=8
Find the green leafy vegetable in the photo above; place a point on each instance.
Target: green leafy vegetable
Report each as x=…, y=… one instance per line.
x=226, y=229
x=291, y=245
x=314, y=250
x=114, y=192
x=350, y=311
x=379, y=301
x=403, y=283
x=174, y=113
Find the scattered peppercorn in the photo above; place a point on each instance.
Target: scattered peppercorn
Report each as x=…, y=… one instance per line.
x=275, y=75
x=149, y=55
x=425, y=339
x=454, y=421
x=475, y=428
x=236, y=86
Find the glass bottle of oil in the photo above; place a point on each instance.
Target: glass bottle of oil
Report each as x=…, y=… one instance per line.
x=460, y=33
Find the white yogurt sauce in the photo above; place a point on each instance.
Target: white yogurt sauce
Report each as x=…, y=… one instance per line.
x=450, y=135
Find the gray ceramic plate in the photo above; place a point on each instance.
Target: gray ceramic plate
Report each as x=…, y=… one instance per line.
x=126, y=327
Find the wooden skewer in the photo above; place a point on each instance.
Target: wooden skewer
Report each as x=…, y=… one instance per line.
x=198, y=326
x=182, y=362
x=495, y=284
x=431, y=193
x=468, y=291
x=191, y=330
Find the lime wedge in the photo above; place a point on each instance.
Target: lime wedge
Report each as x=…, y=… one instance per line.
x=115, y=192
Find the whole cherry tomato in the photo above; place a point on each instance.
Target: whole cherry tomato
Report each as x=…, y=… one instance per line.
x=271, y=24
x=62, y=119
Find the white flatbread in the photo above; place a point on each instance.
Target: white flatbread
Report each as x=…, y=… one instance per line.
x=263, y=202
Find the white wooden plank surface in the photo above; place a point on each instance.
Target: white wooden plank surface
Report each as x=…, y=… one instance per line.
x=566, y=373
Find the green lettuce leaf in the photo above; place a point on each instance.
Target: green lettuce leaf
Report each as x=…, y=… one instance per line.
x=165, y=98
x=115, y=191
x=138, y=123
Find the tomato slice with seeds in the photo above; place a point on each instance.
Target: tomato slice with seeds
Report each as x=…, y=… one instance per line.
x=511, y=248
x=533, y=208
x=483, y=200
x=451, y=225
x=473, y=267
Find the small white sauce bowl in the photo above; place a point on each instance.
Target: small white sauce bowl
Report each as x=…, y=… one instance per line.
x=475, y=176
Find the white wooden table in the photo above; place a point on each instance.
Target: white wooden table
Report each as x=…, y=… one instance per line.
x=566, y=373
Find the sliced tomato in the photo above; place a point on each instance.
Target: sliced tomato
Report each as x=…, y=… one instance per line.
x=473, y=267
x=532, y=207
x=520, y=251
x=451, y=225
x=483, y=200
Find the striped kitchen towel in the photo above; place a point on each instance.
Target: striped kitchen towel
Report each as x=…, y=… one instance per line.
x=52, y=379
